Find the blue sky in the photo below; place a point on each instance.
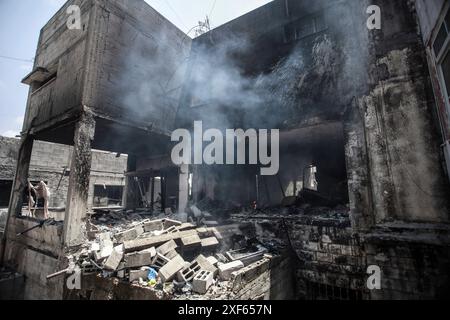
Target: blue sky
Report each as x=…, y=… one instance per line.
x=21, y=21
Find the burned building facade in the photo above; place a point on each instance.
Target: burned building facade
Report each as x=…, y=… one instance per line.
x=361, y=182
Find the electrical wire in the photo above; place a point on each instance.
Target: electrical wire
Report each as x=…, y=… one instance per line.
x=16, y=59
x=212, y=9
x=173, y=10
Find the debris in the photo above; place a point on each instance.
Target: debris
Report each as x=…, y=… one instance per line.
x=202, y=282
x=148, y=242
x=113, y=261
x=210, y=243
x=135, y=275
x=160, y=261
x=169, y=270
x=225, y=270
x=247, y=257
x=167, y=247
x=188, y=273
x=212, y=260
x=205, y=264
x=129, y=234
x=140, y=258
x=191, y=241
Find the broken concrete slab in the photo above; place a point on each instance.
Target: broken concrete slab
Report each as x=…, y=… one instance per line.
x=167, y=247
x=202, y=282
x=140, y=258
x=225, y=270
x=169, y=270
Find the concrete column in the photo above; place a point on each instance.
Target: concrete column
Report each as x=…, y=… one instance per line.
x=21, y=177
x=80, y=170
x=19, y=185
x=130, y=193
x=183, y=195
x=360, y=195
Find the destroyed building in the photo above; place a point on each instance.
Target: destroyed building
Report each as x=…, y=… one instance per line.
x=362, y=181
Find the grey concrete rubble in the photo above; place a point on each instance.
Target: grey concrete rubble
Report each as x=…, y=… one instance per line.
x=143, y=254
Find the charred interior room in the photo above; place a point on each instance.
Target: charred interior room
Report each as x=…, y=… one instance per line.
x=317, y=149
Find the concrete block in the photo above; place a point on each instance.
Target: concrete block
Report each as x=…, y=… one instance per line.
x=167, y=247
x=206, y=265
x=204, y=232
x=210, y=243
x=129, y=234
x=171, y=229
x=202, y=282
x=169, y=270
x=188, y=273
x=171, y=223
x=140, y=258
x=106, y=248
x=212, y=260
x=170, y=255
x=136, y=274
x=113, y=261
x=156, y=225
x=191, y=241
x=160, y=260
x=225, y=270
x=186, y=226
x=249, y=273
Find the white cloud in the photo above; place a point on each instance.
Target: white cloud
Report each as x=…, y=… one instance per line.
x=10, y=134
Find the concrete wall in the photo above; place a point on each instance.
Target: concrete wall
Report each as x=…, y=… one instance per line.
x=62, y=51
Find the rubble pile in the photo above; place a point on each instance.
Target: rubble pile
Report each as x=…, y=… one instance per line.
x=193, y=255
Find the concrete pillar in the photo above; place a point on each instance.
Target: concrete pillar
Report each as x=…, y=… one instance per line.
x=359, y=191
x=19, y=186
x=183, y=193
x=131, y=195
x=80, y=170
x=21, y=177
